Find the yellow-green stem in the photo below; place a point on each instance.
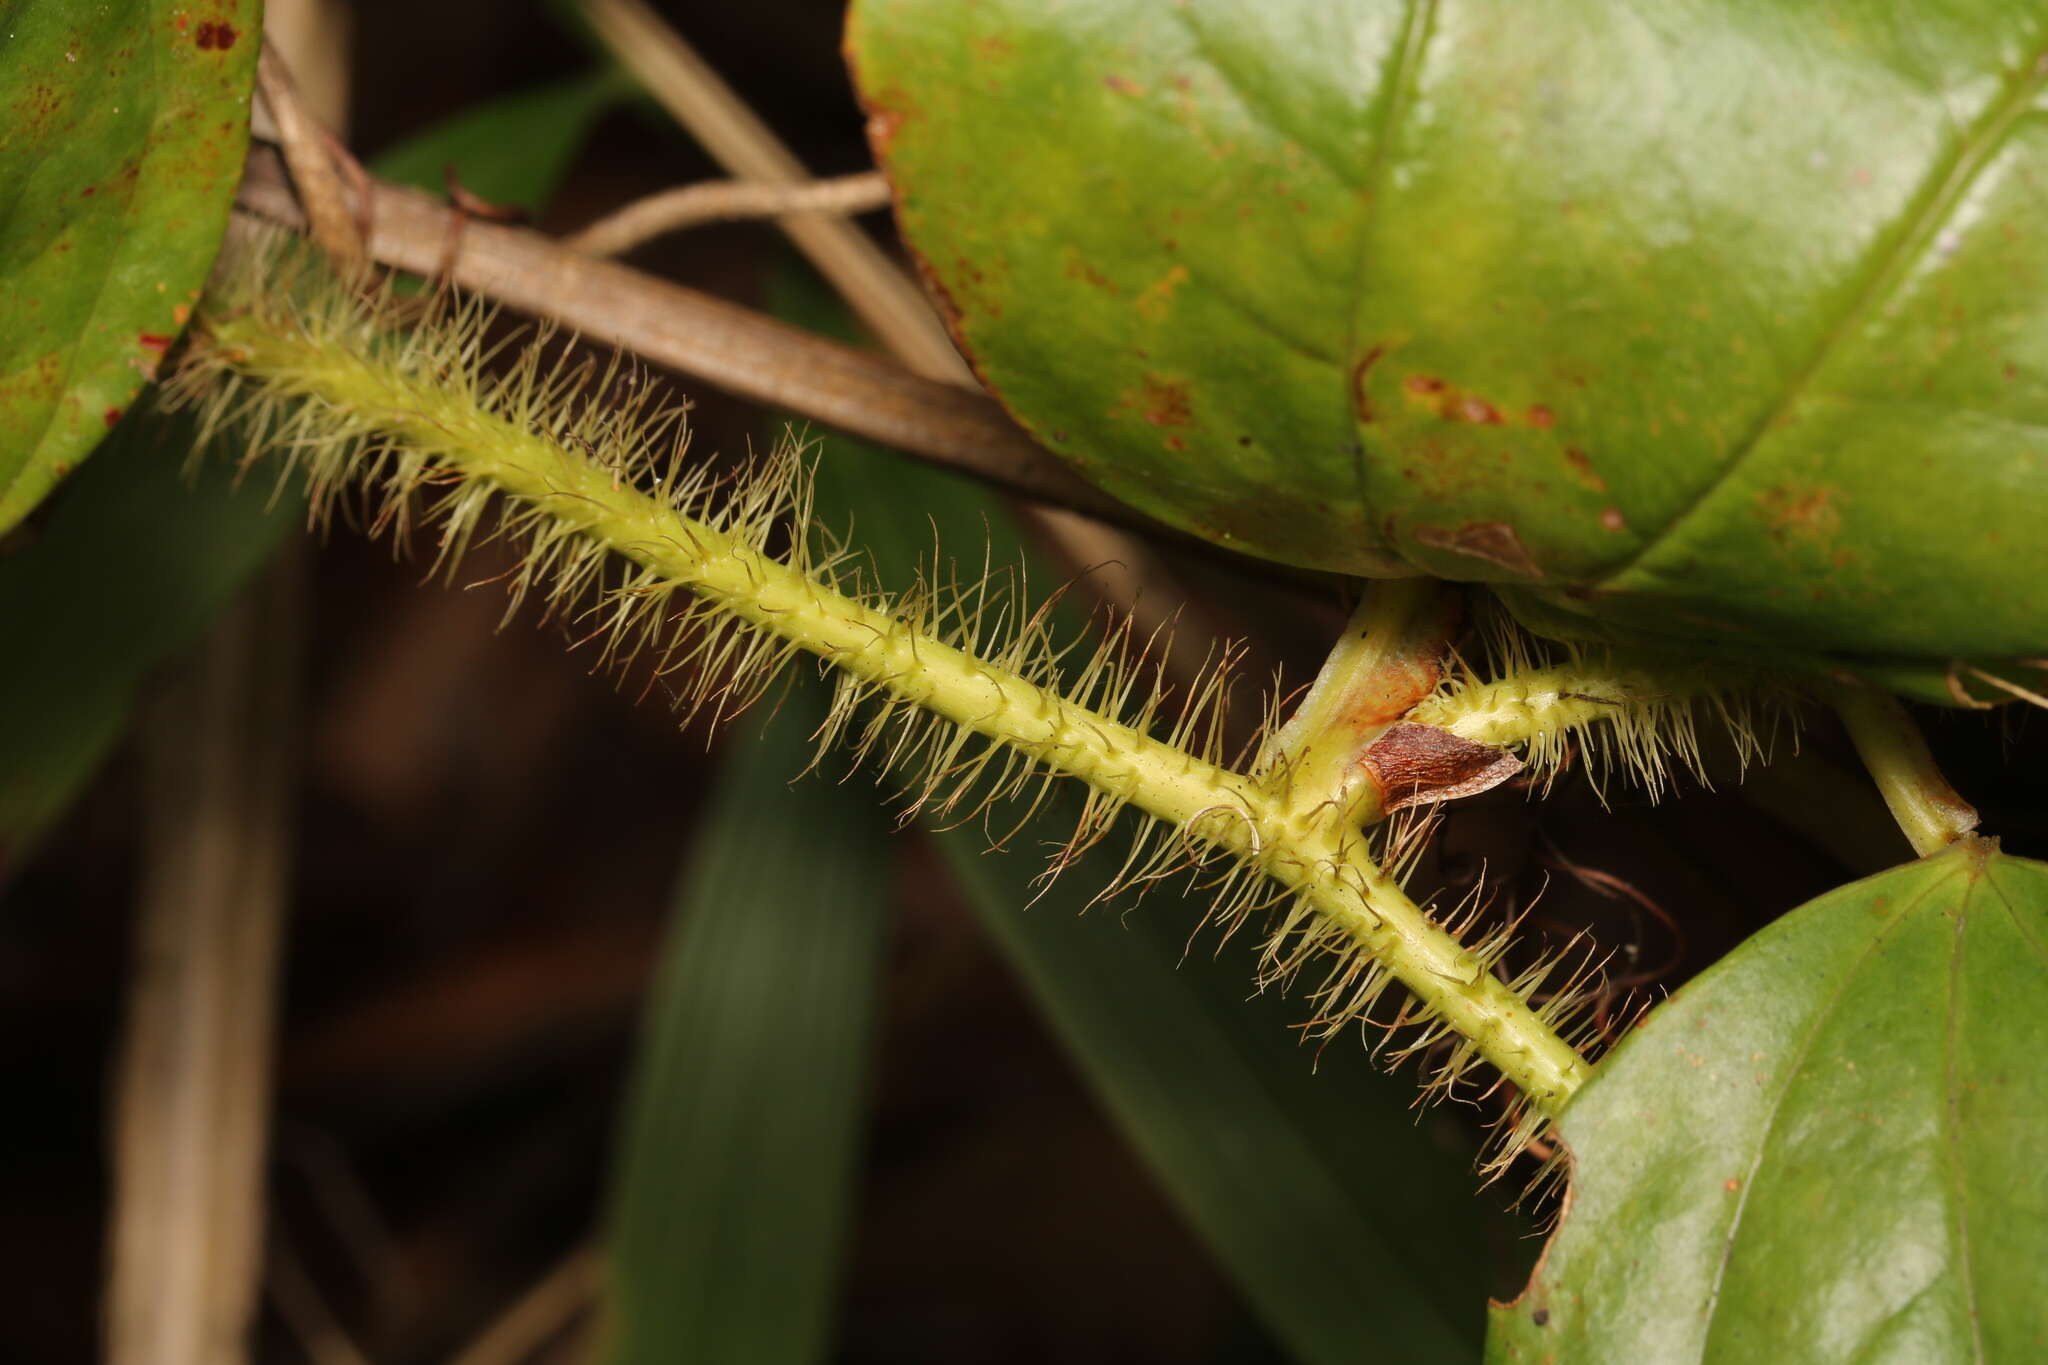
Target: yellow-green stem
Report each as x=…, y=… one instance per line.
x=1296, y=843
x=1927, y=808
x=1537, y=703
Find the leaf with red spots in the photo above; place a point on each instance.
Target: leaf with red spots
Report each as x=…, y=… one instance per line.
x=1825, y=1148
x=1713, y=326
x=122, y=131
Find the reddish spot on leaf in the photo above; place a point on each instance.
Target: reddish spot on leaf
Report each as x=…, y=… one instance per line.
x=1582, y=465
x=1078, y=269
x=112, y=415
x=1611, y=518
x=882, y=128
x=1480, y=411
x=1165, y=402
x=1803, y=512
x=1123, y=85
x=1360, y=404
x=1157, y=299
x=216, y=36
x=1540, y=416
x=155, y=341
x=1440, y=397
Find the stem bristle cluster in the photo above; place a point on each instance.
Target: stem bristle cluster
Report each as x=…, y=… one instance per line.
x=1642, y=718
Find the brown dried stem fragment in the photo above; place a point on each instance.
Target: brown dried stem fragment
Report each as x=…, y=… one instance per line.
x=713, y=201
x=678, y=328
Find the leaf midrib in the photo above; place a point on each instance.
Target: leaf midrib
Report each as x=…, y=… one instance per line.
x=1418, y=19
x=1953, y=174
x=1816, y=1023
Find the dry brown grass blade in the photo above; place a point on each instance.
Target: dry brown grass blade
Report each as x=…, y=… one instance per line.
x=541, y=1315
x=894, y=308
x=192, y=1103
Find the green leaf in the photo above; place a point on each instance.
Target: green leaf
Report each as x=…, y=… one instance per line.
x=132, y=563
x=1350, y=1227
x=512, y=150
x=1825, y=1148
x=1702, y=324
x=744, y=1117
x=122, y=131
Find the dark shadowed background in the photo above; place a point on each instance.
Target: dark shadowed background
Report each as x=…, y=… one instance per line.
x=489, y=838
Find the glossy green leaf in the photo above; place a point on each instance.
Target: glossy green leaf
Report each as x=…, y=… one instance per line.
x=512, y=150
x=131, y=564
x=743, y=1123
x=1715, y=324
x=1350, y=1227
x=1825, y=1148
x=122, y=131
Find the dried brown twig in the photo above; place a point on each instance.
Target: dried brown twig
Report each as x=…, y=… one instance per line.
x=309, y=150
x=886, y=300
x=713, y=201
x=736, y=348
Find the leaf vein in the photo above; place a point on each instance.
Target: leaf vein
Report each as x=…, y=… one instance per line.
x=1817, y=1022
x=1952, y=1113
x=1949, y=181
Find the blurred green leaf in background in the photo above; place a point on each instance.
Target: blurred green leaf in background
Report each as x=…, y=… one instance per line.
x=744, y=1121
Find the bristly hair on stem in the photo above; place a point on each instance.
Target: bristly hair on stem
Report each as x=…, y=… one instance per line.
x=961, y=692
x=1641, y=717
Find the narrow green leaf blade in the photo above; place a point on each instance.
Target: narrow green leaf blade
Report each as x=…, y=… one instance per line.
x=744, y=1119
x=1825, y=1148
x=122, y=137
x=131, y=565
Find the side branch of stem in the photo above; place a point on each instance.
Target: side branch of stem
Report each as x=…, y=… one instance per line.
x=1928, y=809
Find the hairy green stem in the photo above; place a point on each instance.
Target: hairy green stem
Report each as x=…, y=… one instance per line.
x=1892, y=748
x=1536, y=704
x=1291, y=840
